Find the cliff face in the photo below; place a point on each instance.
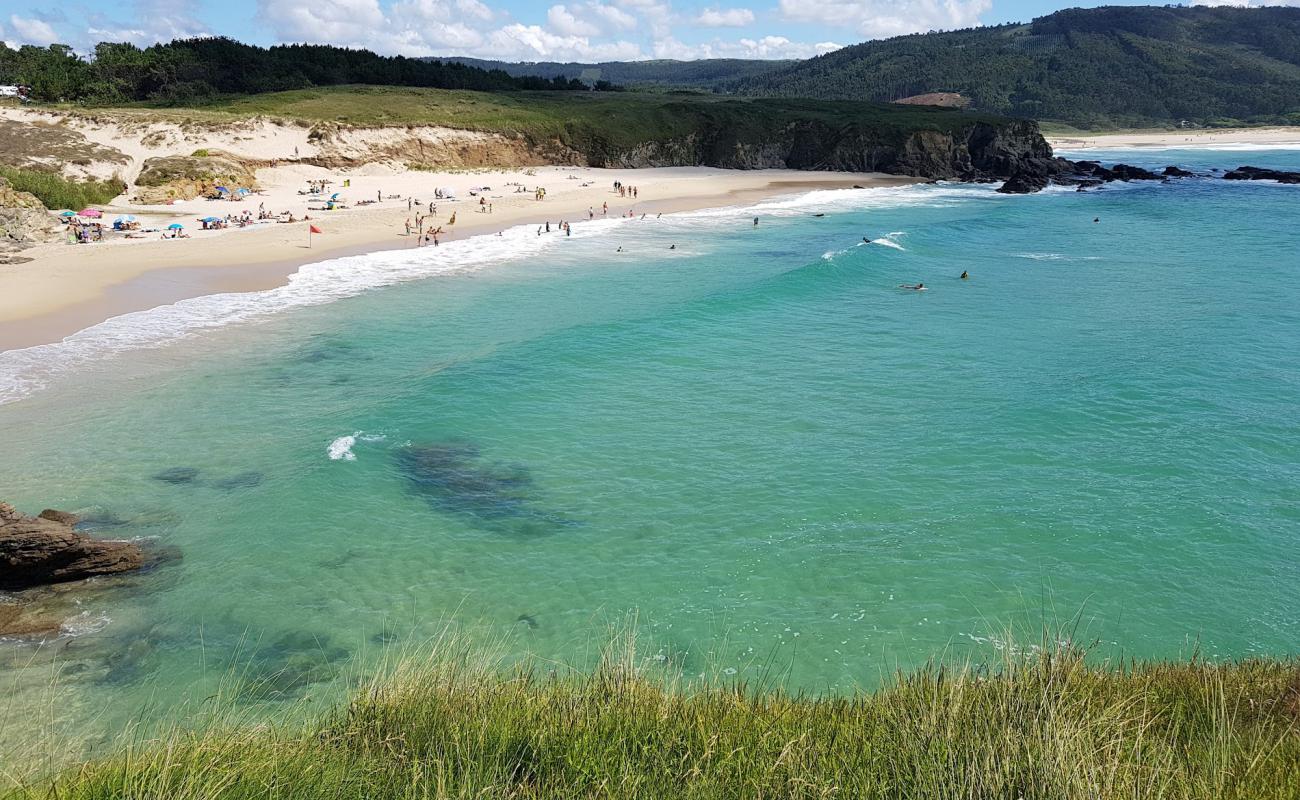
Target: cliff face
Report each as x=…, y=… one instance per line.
x=978, y=151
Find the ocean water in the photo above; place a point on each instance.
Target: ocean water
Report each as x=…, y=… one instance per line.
x=754, y=448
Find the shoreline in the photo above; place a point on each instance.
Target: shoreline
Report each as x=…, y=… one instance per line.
x=65, y=289
x=1174, y=139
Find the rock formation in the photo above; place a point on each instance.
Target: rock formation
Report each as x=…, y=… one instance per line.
x=24, y=221
x=36, y=551
x=1261, y=174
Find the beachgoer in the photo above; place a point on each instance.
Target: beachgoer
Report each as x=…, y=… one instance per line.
x=755, y=222
x=672, y=247
x=965, y=275
x=865, y=240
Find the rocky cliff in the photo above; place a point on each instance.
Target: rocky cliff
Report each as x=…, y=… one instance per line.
x=980, y=150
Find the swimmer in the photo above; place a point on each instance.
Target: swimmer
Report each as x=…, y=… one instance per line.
x=1096, y=219
x=819, y=215
x=920, y=287
x=755, y=222
x=865, y=240
x=672, y=247
x=965, y=275
x=619, y=250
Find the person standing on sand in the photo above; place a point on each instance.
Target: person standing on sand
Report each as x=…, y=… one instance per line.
x=379, y=196
x=408, y=227
x=604, y=209
x=452, y=221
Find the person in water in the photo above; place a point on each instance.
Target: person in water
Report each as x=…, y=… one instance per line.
x=672, y=247
x=755, y=222
x=865, y=240
x=965, y=275
x=920, y=287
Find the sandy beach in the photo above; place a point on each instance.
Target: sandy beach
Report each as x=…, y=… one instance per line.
x=66, y=288
x=1244, y=137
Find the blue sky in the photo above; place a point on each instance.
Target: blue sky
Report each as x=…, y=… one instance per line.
x=515, y=30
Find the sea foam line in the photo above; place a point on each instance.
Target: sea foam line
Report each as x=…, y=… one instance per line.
x=28, y=370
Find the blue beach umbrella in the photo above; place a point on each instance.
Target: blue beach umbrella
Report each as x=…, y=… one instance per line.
x=210, y=219
x=126, y=218
x=223, y=190
x=175, y=226
x=334, y=196
x=67, y=213
x=241, y=191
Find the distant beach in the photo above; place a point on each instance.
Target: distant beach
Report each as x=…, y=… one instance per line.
x=1227, y=137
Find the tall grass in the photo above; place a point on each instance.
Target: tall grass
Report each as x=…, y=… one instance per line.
x=56, y=191
x=459, y=725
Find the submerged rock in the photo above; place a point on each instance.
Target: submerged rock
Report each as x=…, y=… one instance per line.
x=285, y=667
x=176, y=475
x=1178, y=172
x=244, y=480
x=39, y=550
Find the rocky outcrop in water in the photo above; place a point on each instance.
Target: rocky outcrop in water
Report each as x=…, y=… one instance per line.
x=1261, y=174
x=1036, y=175
x=36, y=551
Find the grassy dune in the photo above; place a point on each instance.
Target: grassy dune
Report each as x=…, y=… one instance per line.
x=620, y=117
x=1048, y=725
x=56, y=191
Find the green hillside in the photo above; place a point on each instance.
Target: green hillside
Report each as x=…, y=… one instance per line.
x=703, y=74
x=1095, y=68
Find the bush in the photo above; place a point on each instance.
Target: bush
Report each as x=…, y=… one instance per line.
x=56, y=191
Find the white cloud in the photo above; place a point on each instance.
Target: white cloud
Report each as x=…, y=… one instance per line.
x=29, y=30
x=881, y=18
x=565, y=23
x=766, y=47
x=725, y=17
x=534, y=43
x=612, y=17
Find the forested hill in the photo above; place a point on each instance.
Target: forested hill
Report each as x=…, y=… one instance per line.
x=192, y=70
x=1098, y=68
x=703, y=74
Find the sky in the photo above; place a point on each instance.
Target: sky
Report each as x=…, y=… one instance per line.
x=518, y=30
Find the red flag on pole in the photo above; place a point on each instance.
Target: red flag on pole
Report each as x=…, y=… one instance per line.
x=314, y=229
x=310, y=230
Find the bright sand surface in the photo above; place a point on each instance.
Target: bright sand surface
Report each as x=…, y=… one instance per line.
x=1264, y=137
x=66, y=288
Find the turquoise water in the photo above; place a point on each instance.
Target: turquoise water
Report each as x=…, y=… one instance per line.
x=756, y=443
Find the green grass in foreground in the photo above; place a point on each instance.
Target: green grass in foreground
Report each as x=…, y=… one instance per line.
x=1044, y=726
x=56, y=191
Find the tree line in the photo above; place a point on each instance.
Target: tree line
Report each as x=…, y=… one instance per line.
x=190, y=70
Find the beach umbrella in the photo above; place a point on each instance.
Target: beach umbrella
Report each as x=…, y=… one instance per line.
x=175, y=226
x=210, y=219
x=126, y=218
x=334, y=196
x=222, y=189
x=67, y=213
x=241, y=191
x=91, y=212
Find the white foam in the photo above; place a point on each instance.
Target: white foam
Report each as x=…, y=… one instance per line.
x=25, y=371
x=341, y=448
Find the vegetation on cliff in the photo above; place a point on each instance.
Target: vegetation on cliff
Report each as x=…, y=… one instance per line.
x=633, y=129
x=1042, y=725
x=1114, y=66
